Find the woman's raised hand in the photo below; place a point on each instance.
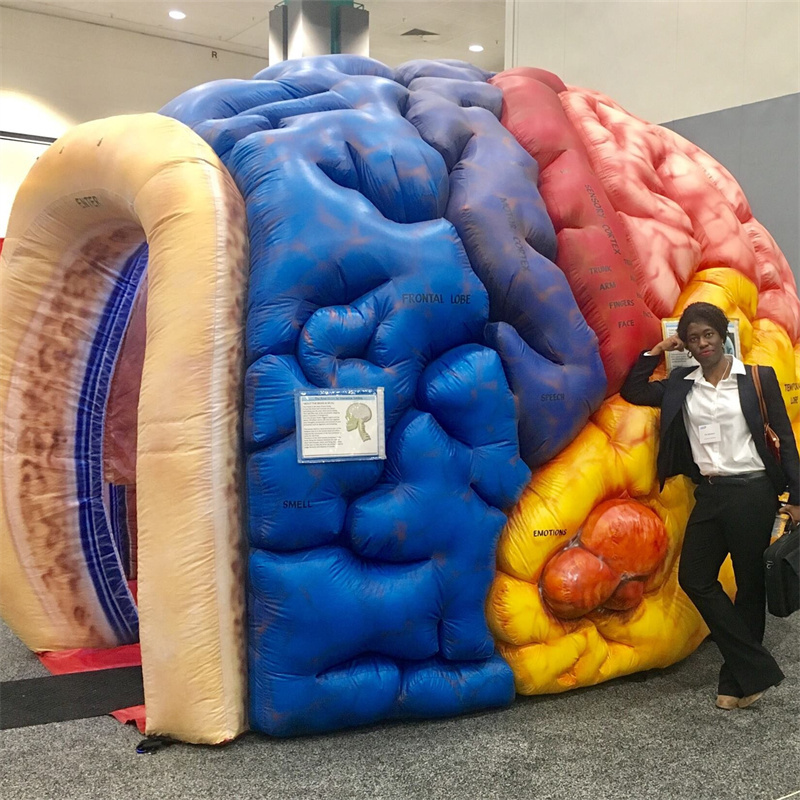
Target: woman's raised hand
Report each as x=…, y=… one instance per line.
x=667, y=346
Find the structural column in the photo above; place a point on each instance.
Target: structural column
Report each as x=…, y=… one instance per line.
x=302, y=28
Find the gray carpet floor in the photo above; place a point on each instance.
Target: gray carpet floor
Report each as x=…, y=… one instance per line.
x=654, y=739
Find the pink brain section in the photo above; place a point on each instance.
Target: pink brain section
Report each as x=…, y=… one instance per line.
x=683, y=211
x=594, y=251
x=643, y=219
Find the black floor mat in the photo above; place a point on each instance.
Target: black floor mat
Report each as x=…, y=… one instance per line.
x=57, y=698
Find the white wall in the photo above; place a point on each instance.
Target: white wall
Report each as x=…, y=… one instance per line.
x=662, y=59
x=16, y=158
x=56, y=73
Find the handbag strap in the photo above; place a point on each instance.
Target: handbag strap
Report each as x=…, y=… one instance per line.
x=761, y=404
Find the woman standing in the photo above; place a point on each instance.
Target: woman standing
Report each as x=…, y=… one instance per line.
x=712, y=431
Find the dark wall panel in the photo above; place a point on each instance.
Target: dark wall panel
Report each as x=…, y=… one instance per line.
x=760, y=144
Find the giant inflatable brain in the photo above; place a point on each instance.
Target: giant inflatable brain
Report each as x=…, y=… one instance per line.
x=492, y=252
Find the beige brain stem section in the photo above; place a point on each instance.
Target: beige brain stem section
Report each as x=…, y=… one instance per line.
x=88, y=203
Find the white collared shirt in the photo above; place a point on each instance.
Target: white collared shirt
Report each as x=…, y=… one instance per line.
x=735, y=452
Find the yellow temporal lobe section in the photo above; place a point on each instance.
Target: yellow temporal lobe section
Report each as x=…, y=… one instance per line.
x=795, y=418
x=771, y=346
x=613, y=458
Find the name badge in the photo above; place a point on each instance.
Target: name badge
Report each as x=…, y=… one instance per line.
x=709, y=434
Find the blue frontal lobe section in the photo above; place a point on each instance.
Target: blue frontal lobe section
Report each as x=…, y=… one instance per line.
x=363, y=606
x=441, y=68
x=550, y=354
x=394, y=604
x=395, y=230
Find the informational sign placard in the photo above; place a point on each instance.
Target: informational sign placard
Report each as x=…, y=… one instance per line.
x=676, y=358
x=340, y=425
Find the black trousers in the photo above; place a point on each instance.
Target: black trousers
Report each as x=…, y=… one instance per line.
x=735, y=519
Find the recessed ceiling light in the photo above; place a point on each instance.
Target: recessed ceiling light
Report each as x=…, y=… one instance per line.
x=181, y=15
x=476, y=48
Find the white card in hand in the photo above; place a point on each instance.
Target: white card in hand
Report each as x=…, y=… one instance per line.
x=709, y=434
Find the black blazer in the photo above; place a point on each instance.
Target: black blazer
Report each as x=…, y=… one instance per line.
x=675, y=452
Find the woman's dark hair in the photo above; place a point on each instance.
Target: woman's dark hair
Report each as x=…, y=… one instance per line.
x=703, y=312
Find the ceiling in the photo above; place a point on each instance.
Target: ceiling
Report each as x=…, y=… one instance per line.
x=242, y=27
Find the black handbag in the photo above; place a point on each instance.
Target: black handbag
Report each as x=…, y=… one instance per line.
x=782, y=572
